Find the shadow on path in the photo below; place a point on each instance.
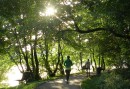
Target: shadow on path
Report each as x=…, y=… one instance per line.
x=74, y=83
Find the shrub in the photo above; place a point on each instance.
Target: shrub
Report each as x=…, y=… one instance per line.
x=89, y=83
x=106, y=81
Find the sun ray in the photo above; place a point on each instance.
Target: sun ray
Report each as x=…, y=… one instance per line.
x=50, y=11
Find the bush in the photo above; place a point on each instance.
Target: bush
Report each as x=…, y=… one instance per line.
x=106, y=81
x=115, y=81
x=89, y=83
x=125, y=73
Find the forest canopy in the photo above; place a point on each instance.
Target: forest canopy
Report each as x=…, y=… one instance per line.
x=41, y=33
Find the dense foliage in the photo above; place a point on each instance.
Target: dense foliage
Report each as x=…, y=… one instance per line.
x=106, y=81
x=37, y=42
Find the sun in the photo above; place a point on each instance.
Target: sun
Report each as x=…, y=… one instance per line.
x=50, y=11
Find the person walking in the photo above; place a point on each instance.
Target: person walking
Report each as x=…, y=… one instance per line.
x=68, y=63
x=87, y=64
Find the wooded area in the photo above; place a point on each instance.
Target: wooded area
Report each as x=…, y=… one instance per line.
x=94, y=29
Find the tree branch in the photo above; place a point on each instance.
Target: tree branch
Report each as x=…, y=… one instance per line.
x=87, y=31
x=111, y=30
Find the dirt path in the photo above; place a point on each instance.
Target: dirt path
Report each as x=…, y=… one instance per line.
x=75, y=81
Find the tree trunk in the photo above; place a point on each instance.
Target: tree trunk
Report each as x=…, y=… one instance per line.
x=58, y=59
x=61, y=65
x=99, y=61
x=94, y=60
x=36, y=74
x=26, y=56
x=81, y=61
x=32, y=59
x=103, y=63
x=47, y=66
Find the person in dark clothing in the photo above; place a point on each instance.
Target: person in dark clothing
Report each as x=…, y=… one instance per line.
x=68, y=63
x=87, y=64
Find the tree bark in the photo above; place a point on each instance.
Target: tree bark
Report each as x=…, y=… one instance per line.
x=81, y=61
x=47, y=66
x=36, y=74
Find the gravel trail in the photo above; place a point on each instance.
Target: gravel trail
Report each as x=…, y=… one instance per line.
x=74, y=83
